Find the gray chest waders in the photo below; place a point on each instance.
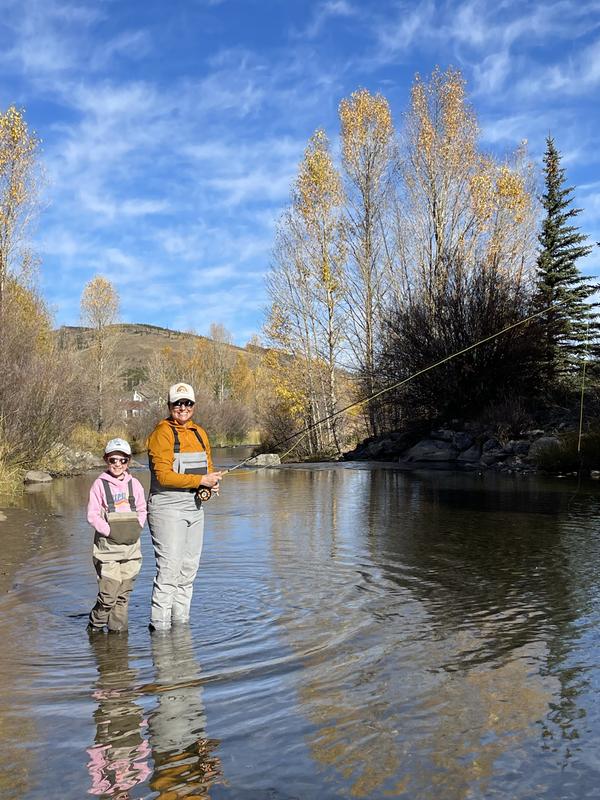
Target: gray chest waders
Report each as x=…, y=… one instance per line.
x=191, y=463
x=124, y=526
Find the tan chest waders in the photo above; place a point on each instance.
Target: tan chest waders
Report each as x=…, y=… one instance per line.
x=195, y=463
x=124, y=525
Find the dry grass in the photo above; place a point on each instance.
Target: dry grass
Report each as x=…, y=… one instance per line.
x=83, y=437
x=11, y=476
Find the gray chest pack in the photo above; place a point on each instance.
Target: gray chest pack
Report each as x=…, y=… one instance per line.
x=195, y=463
x=124, y=525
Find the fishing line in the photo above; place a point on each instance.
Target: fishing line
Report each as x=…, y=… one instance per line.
x=579, y=454
x=397, y=385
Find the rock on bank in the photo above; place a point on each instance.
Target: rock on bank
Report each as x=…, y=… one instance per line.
x=470, y=448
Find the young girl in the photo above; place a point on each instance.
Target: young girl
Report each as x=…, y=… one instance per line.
x=117, y=512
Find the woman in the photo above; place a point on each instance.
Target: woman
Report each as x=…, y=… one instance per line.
x=180, y=463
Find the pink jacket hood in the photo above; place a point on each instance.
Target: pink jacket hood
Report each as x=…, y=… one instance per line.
x=97, y=505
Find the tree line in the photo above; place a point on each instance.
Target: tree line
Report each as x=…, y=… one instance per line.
x=408, y=246
x=55, y=394
x=411, y=246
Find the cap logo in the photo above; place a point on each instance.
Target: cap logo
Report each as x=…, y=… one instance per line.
x=181, y=388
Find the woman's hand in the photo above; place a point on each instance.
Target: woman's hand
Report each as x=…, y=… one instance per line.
x=211, y=480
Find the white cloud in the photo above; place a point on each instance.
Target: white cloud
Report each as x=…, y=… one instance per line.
x=325, y=11
x=129, y=44
x=395, y=36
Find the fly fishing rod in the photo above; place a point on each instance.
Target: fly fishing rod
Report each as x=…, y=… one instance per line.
x=204, y=493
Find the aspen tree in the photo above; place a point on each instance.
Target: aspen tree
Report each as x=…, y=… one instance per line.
x=318, y=197
x=220, y=360
x=458, y=208
x=305, y=288
x=18, y=188
x=465, y=249
x=100, y=311
x=367, y=150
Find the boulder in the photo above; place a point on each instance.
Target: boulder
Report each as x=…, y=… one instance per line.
x=491, y=445
x=443, y=435
x=492, y=457
x=543, y=443
x=37, y=476
x=265, y=460
x=462, y=441
x=380, y=448
x=472, y=454
x=520, y=447
x=431, y=450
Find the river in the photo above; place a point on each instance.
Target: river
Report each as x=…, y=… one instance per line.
x=357, y=632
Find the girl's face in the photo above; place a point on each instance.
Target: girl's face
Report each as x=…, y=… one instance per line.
x=116, y=464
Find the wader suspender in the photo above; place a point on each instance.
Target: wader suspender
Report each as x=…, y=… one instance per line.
x=110, y=501
x=176, y=446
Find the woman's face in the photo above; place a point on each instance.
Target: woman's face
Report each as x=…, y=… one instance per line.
x=180, y=411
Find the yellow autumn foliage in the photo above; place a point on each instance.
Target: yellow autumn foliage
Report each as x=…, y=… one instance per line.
x=460, y=205
x=366, y=123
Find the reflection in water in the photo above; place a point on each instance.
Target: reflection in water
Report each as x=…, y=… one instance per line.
x=442, y=628
x=364, y=633
x=119, y=758
x=169, y=749
x=183, y=759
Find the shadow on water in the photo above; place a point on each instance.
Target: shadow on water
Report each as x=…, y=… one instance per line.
x=363, y=633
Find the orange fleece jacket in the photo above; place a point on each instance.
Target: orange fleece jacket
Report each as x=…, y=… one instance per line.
x=161, y=445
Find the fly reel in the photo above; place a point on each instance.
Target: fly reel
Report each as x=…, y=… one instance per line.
x=204, y=493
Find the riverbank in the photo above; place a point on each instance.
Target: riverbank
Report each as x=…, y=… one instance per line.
x=473, y=447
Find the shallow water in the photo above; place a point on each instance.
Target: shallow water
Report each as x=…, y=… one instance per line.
x=356, y=632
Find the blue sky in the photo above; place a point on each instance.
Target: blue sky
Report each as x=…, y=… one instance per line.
x=172, y=131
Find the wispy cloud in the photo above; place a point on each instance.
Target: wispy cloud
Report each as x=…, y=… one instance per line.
x=171, y=140
x=327, y=11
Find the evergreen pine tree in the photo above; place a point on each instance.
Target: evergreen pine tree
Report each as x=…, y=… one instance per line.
x=567, y=330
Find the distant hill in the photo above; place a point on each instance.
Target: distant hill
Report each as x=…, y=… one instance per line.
x=138, y=342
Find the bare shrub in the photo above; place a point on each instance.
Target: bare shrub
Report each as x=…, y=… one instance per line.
x=39, y=391
x=467, y=308
x=563, y=456
x=508, y=418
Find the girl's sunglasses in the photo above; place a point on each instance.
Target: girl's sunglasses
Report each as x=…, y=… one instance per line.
x=186, y=403
x=116, y=460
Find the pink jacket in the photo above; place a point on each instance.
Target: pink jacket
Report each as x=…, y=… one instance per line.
x=97, y=506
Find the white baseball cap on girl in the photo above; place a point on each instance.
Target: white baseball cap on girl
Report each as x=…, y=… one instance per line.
x=117, y=446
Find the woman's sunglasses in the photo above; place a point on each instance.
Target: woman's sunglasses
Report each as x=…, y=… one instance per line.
x=116, y=460
x=186, y=403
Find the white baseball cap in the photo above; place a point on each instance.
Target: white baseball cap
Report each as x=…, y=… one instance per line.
x=181, y=391
x=117, y=446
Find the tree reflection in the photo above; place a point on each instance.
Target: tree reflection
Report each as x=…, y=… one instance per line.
x=438, y=618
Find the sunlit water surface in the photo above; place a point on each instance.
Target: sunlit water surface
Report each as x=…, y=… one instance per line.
x=356, y=632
